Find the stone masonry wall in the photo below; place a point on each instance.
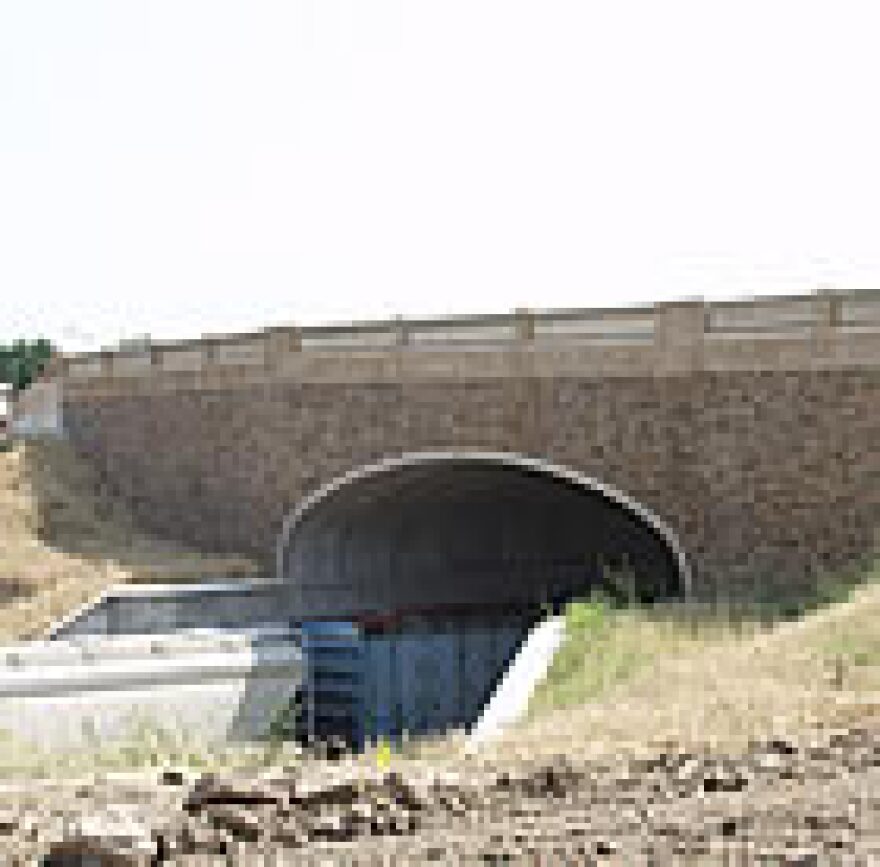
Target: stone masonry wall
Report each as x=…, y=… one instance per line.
x=767, y=476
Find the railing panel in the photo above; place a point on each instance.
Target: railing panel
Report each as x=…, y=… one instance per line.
x=794, y=314
x=596, y=329
x=454, y=334
x=252, y=352
x=349, y=339
x=131, y=364
x=856, y=311
x=179, y=360
x=85, y=367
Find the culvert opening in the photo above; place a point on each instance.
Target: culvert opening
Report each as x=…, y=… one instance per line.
x=415, y=581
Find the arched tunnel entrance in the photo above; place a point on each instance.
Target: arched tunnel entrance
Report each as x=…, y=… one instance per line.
x=438, y=531
x=421, y=553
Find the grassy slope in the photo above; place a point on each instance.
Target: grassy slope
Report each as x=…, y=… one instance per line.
x=633, y=677
x=62, y=541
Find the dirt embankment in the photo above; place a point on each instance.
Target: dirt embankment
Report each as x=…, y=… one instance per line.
x=64, y=538
x=780, y=801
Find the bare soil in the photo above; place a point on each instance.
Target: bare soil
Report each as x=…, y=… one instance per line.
x=807, y=801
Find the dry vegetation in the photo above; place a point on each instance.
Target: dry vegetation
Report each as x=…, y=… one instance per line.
x=630, y=678
x=63, y=540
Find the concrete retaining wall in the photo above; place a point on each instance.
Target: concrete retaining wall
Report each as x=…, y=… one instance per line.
x=509, y=702
x=153, y=609
x=205, y=662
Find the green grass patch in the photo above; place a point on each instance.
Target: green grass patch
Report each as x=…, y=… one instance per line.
x=608, y=642
x=854, y=649
x=855, y=640
x=604, y=645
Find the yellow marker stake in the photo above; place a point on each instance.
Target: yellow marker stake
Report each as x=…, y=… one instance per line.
x=383, y=755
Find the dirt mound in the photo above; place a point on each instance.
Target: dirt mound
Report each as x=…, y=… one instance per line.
x=810, y=800
x=64, y=538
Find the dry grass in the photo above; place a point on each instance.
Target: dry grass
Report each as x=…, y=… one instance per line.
x=64, y=540
x=632, y=679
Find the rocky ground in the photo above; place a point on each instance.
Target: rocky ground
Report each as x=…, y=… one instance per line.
x=807, y=801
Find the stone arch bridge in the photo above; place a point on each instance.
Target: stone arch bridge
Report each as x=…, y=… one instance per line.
x=728, y=447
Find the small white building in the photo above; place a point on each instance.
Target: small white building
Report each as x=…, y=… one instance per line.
x=5, y=406
x=36, y=410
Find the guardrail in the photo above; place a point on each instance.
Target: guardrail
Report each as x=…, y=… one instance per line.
x=201, y=687
x=659, y=326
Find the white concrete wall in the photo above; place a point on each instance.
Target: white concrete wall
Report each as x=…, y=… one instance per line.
x=529, y=667
x=4, y=401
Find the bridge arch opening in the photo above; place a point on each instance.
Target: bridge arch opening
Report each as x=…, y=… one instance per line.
x=453, y=533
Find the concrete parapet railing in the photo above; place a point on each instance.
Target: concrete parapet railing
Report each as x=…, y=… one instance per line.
x=661, y=329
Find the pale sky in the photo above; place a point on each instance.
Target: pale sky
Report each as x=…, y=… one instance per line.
x=175, y=167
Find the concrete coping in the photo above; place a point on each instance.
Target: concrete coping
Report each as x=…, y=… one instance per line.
x=159, y=592
x=218, y=587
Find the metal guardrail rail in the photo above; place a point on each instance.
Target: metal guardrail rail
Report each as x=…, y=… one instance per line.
x=203, y=688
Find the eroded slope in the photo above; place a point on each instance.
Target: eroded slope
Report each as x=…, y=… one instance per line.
x=63, y=539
